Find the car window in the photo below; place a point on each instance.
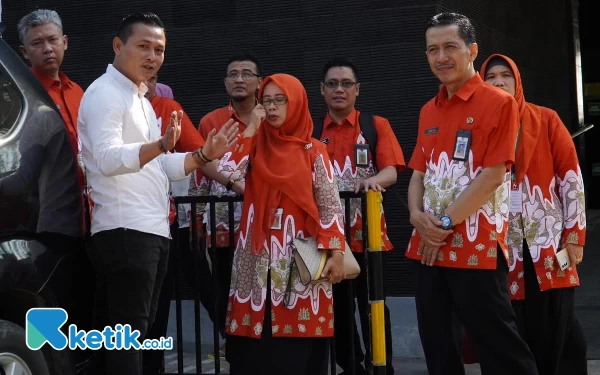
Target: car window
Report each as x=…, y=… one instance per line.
x=11, y=104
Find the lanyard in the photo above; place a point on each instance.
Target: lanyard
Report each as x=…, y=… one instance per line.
x=513, y=173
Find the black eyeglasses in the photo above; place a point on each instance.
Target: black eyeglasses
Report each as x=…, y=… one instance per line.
x=333, y=84
x=246, y=76
x=278, y=100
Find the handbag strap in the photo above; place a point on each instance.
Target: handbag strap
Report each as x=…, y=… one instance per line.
x=288, y=288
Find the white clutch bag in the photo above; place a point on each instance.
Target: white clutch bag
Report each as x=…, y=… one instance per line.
x=311, y=261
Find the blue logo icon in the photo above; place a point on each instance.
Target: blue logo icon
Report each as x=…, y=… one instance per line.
x=43, y=326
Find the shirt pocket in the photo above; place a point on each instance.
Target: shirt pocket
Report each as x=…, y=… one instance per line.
x=479, y=143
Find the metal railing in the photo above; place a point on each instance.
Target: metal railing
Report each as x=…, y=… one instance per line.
x=582, y=129
x=370, y=204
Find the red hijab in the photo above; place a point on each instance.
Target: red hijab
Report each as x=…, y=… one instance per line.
x=282, y=162
x=530, y=116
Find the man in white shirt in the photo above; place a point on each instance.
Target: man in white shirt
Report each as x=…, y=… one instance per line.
x=128, y=177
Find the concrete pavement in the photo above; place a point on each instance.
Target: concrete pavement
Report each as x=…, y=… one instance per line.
x=405, y=365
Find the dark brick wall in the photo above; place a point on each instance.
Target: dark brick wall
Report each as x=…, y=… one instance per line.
x=537, y=35
x=590, y=54
x=384, y=37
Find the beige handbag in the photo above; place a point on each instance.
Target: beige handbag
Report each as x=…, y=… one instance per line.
x=311, y=261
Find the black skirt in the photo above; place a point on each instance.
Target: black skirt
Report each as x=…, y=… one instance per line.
x=277, y=355
x=547, y=322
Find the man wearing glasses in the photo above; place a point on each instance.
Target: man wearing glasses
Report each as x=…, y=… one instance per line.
x=356, y=170
x=242, y=81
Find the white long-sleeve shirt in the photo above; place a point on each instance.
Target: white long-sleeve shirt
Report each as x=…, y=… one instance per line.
x=115, y=120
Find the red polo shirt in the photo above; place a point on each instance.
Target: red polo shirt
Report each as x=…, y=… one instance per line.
x=492, y=118
x=342, y=140
x=66, y=94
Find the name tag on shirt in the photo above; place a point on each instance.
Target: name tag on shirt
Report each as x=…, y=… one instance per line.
x=431, y=131
x=516, y=200
x=278, y=219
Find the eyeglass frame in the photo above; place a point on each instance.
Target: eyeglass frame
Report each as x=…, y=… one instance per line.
x=340, y=84
x=272, y=101
x=251, y=74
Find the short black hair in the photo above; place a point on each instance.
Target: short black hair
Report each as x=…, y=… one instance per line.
x=245, y=56
x=340, y=62
x=466, y=31
x=126, y=27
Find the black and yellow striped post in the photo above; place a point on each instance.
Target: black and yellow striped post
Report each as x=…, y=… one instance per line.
x=375, y=273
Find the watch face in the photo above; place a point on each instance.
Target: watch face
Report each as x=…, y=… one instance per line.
x=445, y=221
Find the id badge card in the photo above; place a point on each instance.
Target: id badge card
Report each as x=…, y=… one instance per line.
x=361, y=156
x=462, y=145
x=563, y=259
x=277, y=219
x=516, y=200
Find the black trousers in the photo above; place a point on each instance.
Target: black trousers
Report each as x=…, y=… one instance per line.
x=345, y=327
x=222, y=262
x=277, y=356
x=481, y=302
x=131, y=266
x=192, y=267
x=547, y=322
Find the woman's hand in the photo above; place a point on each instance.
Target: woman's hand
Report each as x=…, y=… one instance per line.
x=334, y=268
x=575, y=253
x=256, y=117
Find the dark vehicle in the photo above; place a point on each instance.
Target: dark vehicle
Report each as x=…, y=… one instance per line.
x=43, y=257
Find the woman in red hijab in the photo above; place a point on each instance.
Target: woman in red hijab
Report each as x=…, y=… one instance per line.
x=290, y=192
x=547, y=215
